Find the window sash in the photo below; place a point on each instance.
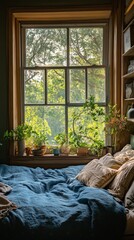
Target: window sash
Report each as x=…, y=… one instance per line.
x=20, y=16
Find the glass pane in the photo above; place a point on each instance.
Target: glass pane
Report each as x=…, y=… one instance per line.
x=34, y=86
x=46, y=47
x=51, y=118
x=86, y=46
x=56, y=86
x=85, y=125
x=77, y=85
x=96, y=84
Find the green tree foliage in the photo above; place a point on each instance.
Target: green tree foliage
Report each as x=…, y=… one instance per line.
x=46, y=76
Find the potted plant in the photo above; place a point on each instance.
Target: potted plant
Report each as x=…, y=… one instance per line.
x=79, y=143
x=61, y=140
x=19, y=134
x=115, y=125
x=40, y=139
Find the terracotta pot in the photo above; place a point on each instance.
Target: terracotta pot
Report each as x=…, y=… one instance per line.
x=82, y=151
x=38, y=152
x=28, y=151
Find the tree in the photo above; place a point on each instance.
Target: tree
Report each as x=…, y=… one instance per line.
x=45, y=77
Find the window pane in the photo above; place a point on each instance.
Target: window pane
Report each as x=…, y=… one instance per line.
x=85, y=125
x=86, y=46
x=53, y=118
x=96, y=84
x=46, y=47
x=34, y=86
x=56, y=86
x=77, y=85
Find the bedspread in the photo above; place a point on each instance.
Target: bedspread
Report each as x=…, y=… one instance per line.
x=53, y=205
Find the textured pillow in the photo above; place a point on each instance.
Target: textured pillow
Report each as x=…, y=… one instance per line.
x=95, y=174
x=120, y=184
x=122, y=158
x=126, y=148
x=127, y=151
x=113, y=162
x=129, y=197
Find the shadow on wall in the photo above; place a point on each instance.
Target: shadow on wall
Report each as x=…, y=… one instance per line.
x=4, y=156
x=32, y=3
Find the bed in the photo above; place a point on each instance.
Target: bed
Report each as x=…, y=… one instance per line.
x=55, y=204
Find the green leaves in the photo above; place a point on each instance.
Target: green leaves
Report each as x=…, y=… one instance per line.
x=21, y=132
x=88, y=126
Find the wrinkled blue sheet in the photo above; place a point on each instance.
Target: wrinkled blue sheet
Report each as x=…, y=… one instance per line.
x=53, y=205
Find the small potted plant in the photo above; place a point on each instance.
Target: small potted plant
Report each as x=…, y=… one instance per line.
x=19, y=134
x=40, y=139
x=115, y=125
x=61, y=139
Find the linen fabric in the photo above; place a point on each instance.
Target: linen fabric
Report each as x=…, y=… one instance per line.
x=121, y=183
x=95, y=174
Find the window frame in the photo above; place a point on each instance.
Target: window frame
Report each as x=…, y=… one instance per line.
x=16, y=18
x=66, y=68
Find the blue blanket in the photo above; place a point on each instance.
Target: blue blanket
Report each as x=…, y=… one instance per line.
x=53, y=205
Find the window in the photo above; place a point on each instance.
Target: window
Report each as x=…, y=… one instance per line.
x=62, y=66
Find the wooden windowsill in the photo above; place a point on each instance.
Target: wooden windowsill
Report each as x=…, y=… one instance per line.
x=50, y=161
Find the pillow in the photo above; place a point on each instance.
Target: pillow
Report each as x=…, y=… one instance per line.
x=127, y=151
x=129, y=197
x=121, y=158
x=95, y=174
x=120, y=184
x=109, y=161
x=124, y=149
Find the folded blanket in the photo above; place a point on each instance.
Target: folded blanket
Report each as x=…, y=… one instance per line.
x=5, y=204
x=4, y=188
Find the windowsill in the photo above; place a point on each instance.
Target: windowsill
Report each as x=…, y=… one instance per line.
x=50, y=161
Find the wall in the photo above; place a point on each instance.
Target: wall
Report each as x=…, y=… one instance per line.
x=5, y=5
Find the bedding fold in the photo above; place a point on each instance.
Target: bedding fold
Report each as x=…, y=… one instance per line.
x=53, y=204
x=5, y=204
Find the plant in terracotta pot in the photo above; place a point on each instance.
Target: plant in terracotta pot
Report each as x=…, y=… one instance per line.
x=78, y=142
x=40, y=139
x=19, y=134
x=115, y=126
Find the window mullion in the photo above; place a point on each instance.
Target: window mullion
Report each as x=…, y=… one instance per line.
x=67, y=83
x=45, y=86
x=86, y=84
x=23, y=65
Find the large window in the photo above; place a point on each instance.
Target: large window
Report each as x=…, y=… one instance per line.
x=62, y=66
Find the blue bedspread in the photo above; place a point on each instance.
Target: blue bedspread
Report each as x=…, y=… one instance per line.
x=53, y=205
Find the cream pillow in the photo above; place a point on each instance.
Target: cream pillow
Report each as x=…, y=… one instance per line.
x=121, y=158
x=120, y=184
x=95, y=174
x=113, y=162
x=126, y=148
x=127, y=151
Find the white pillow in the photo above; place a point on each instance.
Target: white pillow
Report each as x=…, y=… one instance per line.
x=95, y=174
